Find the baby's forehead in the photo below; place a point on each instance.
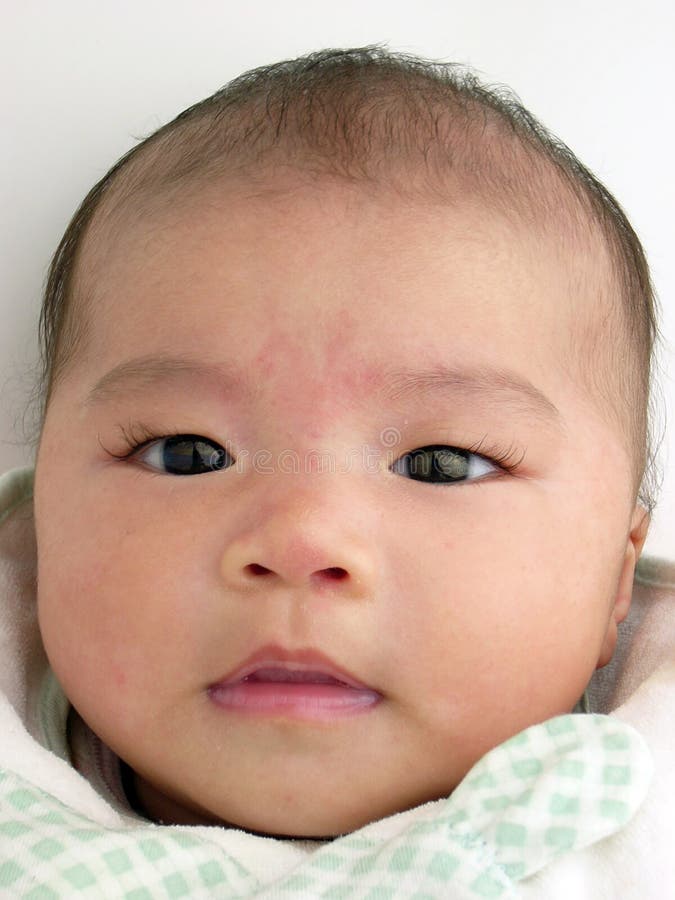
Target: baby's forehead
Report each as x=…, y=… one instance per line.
x=504, y=181
x=240, y=227
x=245, y=211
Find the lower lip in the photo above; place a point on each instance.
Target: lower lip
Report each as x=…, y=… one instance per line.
x=302, y=700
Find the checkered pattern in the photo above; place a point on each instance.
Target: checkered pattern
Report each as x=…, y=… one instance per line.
x=553, y=788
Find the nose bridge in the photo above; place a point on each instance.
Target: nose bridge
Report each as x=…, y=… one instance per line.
x=307, y=530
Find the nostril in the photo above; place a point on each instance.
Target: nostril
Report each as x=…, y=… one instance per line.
x=335, y=573
x=256, y=569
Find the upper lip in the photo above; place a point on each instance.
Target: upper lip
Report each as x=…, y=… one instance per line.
x=302, y=660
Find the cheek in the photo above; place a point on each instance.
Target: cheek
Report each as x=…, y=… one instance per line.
x=502, y=607
x=118, y=609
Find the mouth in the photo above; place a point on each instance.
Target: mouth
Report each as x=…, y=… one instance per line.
x=302, y=684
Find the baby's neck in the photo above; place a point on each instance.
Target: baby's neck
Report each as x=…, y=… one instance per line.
x=150, y=803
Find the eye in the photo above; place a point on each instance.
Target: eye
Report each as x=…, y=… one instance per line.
x=440, y=464
x=184, y=454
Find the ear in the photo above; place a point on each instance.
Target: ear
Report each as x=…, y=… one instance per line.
x=639, y=527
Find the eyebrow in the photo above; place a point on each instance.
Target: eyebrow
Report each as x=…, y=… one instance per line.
x=480, y=383
x=493, y=385
x=144, y=372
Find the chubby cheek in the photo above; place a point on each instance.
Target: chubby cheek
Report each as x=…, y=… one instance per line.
x=507, y=622
x=120, y=629
x=481, y=679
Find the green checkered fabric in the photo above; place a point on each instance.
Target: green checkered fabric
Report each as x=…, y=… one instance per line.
x=553, y=788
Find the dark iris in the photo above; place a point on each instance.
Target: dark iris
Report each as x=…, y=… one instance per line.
x=440, y=464
x=187, y=454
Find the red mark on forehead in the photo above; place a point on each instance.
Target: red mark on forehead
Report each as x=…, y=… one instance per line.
x=313, y=370
x=316, y=353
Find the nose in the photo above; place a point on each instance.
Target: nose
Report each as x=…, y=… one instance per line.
x=304, y=540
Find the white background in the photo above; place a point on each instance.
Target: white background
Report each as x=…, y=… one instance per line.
x=81, y=81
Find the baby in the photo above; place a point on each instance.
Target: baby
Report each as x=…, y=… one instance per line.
x=343, y=473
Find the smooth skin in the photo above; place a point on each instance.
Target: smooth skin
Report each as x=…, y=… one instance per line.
x=475, y=608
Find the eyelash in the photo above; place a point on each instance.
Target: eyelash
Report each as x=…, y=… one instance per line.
x=507, y=458
x=136, y=436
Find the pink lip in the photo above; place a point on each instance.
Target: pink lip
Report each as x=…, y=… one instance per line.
x=299, y=683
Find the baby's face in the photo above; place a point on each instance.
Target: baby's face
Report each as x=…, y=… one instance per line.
x=461, y=602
